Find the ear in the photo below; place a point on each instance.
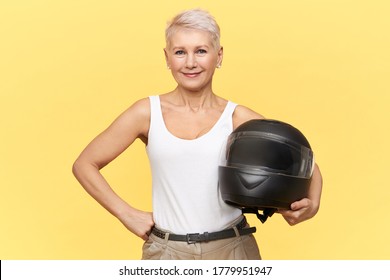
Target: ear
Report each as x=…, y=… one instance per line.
x=166, y=55
x=220, y=56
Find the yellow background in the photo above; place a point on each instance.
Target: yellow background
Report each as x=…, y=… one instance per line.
x=68, y=68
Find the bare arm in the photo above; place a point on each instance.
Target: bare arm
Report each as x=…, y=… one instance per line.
x=130, y=125
x=243, y=114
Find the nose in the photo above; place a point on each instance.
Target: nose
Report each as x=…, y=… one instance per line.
x=191, y=61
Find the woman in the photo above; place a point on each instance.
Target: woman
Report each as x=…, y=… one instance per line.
x=183, y=131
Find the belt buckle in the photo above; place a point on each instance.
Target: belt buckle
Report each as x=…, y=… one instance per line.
x=188, y=238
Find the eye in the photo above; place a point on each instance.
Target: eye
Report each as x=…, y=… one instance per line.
x=179, y=52
x=201, y=51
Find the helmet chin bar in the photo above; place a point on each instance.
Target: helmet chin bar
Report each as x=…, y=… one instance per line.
x=267, y=212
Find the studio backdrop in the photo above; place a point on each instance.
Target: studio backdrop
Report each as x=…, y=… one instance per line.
x=69, y=68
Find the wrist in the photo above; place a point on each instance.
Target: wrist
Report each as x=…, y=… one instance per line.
x=123, y=211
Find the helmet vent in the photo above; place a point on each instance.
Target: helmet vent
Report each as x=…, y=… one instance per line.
x=250, y=181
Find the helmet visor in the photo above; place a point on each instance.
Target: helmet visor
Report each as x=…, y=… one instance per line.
x=269, y=152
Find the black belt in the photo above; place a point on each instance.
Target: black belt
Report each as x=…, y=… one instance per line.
x=191, y=238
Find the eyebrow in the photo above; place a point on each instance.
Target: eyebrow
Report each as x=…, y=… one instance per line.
x=197, y=47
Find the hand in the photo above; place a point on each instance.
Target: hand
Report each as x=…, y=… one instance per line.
x=301, y=210
x=138, y=222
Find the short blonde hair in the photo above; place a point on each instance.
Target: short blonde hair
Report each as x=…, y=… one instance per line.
x=194, y=19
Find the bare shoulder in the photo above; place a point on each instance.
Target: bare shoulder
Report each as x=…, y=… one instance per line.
x=135, y=119
x=242, y=114
x=141, y=107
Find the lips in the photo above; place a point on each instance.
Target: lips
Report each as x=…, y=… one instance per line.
x=191, y=75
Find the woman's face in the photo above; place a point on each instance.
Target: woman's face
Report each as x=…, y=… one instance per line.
x=192, y=58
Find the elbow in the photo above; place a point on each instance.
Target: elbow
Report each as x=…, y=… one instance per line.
x=76, y=167
x=82, y=166
x=79, y=167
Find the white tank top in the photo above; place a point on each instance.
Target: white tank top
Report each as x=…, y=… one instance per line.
x=186, y=196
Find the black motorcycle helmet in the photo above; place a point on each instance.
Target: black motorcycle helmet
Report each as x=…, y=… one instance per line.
x=266, y=166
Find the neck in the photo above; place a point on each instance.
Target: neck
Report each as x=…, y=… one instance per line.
x=195, y=100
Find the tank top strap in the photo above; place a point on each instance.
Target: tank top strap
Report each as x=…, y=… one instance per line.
x=155, y=106
x=226, y=118
x=156, y=118
x=229, y=110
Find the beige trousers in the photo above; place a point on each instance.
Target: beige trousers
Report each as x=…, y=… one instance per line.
x=236, y=248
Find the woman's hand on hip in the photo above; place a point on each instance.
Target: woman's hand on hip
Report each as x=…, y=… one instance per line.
x=138, y=222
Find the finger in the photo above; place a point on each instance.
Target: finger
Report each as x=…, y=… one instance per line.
x=291, y=222
x=300, y=204
x=145, y=237
x=284, y=211
x=293, y=217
